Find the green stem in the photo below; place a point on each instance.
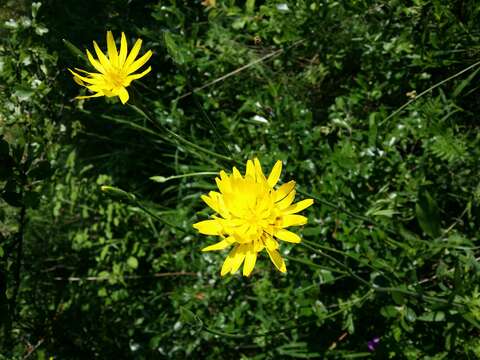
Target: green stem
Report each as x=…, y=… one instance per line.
x=281, y=330
x=336, y=207
x=315, y=245
x=381, y=288
x=179, y=137
x=162, y=179
x=401, y=108
x=312, y=264
x=137, y=203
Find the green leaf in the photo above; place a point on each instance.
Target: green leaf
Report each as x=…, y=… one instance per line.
x=23, y=93
x=410, y=315
x=472, y=320
x=386, y=212
x=35, y=6
x=187, y=315
x=74, y=50
x=428, y=215
x=458, y=90
x=250, y=6
x=432, y=316
x=389, y=311
x=115, y=192
x=132, y=262
x=102, y=292
x=299, y=350
x=179, y=54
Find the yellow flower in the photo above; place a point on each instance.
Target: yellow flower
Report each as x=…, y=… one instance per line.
x=252, y=215
x=115, y=72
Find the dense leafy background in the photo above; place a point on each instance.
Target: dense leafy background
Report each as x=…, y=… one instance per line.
x=392, y=245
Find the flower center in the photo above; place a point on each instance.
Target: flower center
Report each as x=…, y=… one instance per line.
x=252, y=208
x=253, y=219
x=115, y=77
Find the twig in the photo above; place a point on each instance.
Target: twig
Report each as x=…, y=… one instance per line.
x=32, y=349
x=236, y=71
x=423, y=281
x=104, y=278
x=400, y=109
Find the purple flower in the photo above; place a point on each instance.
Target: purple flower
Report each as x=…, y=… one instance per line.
x=372, y=344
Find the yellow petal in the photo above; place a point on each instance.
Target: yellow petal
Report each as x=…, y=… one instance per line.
x=288, y=236
x=110, y=93
x=208, y=227
x=299, y=206
x=123, y=95
x=258, y=245
x=250, y=259
x=102, y=58
x=223, y=175
x=271, y=243
x=250, y=169
x=123, y=50
x=211, y=202
x=284, y=190
x=258, y=169
x=287, y=200
x=223, y=185
x=112, y=49
x=95, y=63
x=238, y=259
x=236, y=173
x=88, y=80
x=133, y=54
x=89, y=96
x=228, y=263
x=140, y=62
x=277, y=260
x=220, y=245
x=96, y=88
x=78, y=81
x=130, y=78
x=293, y=220
x=275, y=174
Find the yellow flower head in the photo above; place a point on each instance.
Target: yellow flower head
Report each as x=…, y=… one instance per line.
x=252, y=215
x=115, y=72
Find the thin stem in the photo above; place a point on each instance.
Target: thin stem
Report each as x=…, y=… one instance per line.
x=105, y=278
x=177, y=136
x=308, y=245
x=400, y=109
x=381, y=288
x=275, y=332
x=137, y=203
x=234, y=72
x=163, y=179
x=318, y=266
x=323, y=247
x=336, y=207
x=197, y=147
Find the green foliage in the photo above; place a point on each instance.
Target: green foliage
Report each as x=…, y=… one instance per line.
x=98, y=258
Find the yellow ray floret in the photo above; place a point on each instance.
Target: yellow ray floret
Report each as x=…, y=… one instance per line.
x=115, y=71
x=251, y=215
